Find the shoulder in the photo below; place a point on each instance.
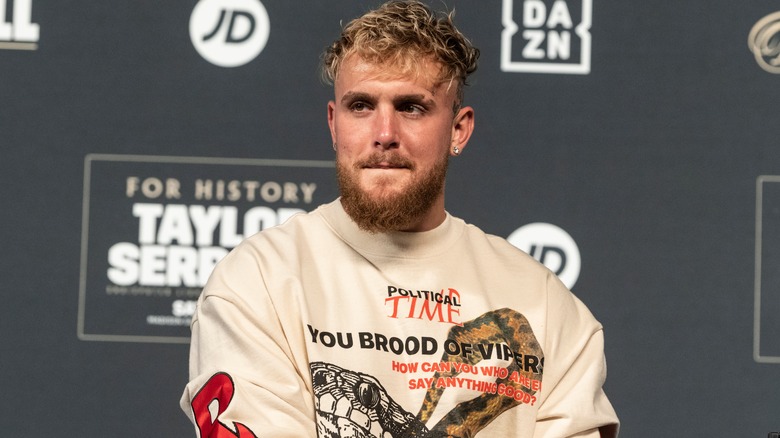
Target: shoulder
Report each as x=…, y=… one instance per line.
x=499, y=250
x=273, y=249
x=293, y=228
x=500, y=256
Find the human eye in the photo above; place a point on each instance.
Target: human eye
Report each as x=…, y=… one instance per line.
x=357, y=102
x=413, y=105
x=411, y=108
x=359, y=106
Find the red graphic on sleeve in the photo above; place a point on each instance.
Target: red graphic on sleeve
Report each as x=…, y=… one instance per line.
x=220, y=388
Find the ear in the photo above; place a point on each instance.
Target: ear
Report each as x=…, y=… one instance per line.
x=331, y=121
x=462, y=127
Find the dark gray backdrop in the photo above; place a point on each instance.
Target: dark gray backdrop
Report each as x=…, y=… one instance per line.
x=650, y=162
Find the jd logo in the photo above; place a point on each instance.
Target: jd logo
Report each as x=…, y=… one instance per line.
x=20, y=32
x=551, y=246
x=546, y=36
x=229, y=33
x=231, y=38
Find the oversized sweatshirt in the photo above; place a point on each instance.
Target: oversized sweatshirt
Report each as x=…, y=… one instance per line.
x=317, y=328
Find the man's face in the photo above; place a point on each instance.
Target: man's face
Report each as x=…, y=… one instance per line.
x=393, y=133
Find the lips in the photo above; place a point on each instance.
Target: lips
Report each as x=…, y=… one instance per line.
x=384, y=162
x=385, y=166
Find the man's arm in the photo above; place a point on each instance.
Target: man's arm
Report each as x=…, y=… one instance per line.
x=575, y=369
x=577, y=405
x=245, y=378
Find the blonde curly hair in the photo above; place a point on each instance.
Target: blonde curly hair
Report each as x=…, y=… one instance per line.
x=403, y=34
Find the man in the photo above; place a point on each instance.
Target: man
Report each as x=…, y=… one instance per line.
x=379, y=314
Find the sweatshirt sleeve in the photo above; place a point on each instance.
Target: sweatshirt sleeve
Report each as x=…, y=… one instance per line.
x=245, y=378
x=575, y=404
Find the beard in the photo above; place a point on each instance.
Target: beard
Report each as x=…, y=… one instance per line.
x=388, y=210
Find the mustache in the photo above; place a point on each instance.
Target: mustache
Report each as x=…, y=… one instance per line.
x=390, y=159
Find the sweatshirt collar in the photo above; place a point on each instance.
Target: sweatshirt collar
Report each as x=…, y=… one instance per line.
x=395, y=243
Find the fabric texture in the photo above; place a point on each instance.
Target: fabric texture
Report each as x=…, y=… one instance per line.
x=317, y=328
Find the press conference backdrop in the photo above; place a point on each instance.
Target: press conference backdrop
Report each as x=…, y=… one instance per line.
x=631, y=146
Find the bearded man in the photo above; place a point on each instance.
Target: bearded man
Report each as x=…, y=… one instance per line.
x=380, y=314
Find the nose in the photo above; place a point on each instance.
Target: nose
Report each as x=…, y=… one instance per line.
x=386, y=129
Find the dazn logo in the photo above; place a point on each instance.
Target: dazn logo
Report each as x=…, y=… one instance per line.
x=546, y=36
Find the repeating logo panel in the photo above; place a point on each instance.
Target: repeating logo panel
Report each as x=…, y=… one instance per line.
x=551, y=246
x=764, y=42
x=154, y=227
x=20, y=33
x=229, y=33
x=545, y=36
x=766, y=340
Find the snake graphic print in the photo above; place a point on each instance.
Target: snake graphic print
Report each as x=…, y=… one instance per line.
x=351, y=404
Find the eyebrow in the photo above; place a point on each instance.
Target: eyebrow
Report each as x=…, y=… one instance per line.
x=354, y=96
x=414, y=98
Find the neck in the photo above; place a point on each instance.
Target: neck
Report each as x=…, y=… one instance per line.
x=430, y=220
